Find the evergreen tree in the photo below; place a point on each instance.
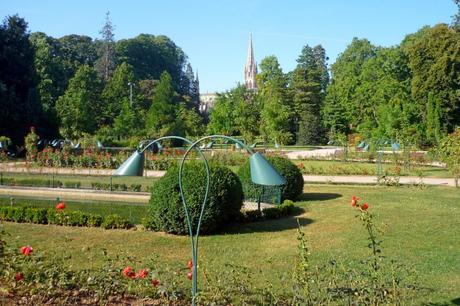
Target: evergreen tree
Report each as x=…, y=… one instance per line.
x=116, y=90
x=128, y=122
x=195, y=92
x=80, y=108
x=276, y=112
x=308, y=88
x=161, y=117
x=433, y=120
x=105, y=65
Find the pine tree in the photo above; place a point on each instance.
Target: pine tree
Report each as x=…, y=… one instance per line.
x=105, y=65
x=161, y=117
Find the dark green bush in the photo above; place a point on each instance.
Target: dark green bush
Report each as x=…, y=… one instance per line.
x=35, y=215
x=291, y=191
x=225, y=198
x=115, y=221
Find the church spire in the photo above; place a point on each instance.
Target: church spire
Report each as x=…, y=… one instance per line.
x=250, y=70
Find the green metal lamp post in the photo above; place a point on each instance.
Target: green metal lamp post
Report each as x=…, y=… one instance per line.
x=262, y=173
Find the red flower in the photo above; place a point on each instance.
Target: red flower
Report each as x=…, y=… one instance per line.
x=190, y=264
x=128, y=272
x=142, y=273
x=155, y=282
x=365, y=206
x=354, y=200
x=60, y=206
x=19, y=276
x=26, y=250
x=190, y=275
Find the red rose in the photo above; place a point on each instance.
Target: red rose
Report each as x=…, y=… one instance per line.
x=26, y=250
x=60, y=206
x=365, y=206
x=155, y=282
x=128, y=272
x=142, y=273
x=190, y=264
x=19, y=276
x=190, y=275
x=354, y=200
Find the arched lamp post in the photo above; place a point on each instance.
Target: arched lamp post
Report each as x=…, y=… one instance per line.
x=262, y=173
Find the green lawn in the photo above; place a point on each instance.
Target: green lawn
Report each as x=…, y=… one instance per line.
x=421, y=230
x=329, y=167
x=85, y=180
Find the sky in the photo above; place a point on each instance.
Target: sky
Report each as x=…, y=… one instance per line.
x=214, y=33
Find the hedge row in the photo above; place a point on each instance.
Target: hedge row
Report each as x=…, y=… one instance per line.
x=275, y=212
x=68, y=218
x=37, y=182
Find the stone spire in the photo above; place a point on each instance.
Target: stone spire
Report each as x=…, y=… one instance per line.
x=250, y=70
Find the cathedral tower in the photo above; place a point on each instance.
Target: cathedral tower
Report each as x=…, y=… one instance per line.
x=250, y=70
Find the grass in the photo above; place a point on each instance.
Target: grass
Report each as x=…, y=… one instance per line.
x=330, y=167
x=134, y=212
x=421, y=230
x=85, y=180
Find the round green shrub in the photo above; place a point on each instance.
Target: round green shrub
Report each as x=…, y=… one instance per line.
x=294, y=179
x=225, y=198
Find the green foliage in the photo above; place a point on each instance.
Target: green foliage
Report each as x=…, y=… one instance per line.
x=294, y=185
x=31, y=144
x=79, y=109
x=161, y=117
x=106, y=51
x=115, y=222
x=67, y=218
x=449, y=152
x=20, y=106
x=276, y=111
x=223, y=204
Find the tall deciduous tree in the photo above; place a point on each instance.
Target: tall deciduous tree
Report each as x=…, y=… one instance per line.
x=105, y=65
x=79, y=109
x=19, y=103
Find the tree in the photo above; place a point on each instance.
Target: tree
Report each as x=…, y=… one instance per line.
x=191, y=121
x=105, y=65
x=433, y=120
x=116, y=91
x=276, y=113
x=449, y=152
x=434, y=61
x=79, y=109
x=150, y=55
x=222, y=116
x=19, y=104
x=161, y=117
x=51, y=81
x=128, y=122
x=74, y=51
x=308, y=88
x=456, y=17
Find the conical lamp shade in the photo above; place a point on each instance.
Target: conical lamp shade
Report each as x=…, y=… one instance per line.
x=133, y=166
x=263, y=173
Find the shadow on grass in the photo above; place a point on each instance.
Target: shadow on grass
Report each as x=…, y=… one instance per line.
x=316, y=196
x=275, y=225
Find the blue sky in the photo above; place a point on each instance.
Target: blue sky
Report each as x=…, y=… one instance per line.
x=214, y=34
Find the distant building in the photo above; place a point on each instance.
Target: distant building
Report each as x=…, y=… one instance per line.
x=207, y=100
x=250, y=69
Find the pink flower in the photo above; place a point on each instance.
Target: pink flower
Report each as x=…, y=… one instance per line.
x=19, y=276
x=354, y=200
x=365, y=206
x=190, y=275
x=26, y=250
x=155, y=282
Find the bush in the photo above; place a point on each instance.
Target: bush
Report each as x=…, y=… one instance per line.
x=225, y=198
x=72, y=184
x=115, y=221
x=294, y=179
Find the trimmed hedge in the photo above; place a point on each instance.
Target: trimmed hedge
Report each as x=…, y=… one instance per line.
x=291, y=191
x=38, y=182
x=275, y=212
x=225, y=199
x=68, y=218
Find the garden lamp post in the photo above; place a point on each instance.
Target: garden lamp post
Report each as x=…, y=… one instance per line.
x=262, y=173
